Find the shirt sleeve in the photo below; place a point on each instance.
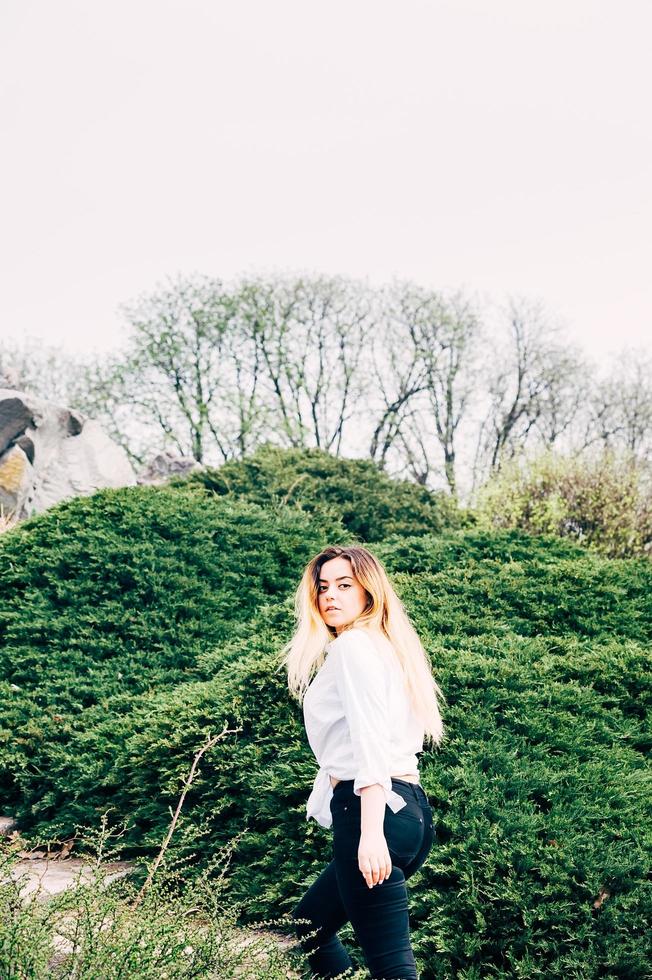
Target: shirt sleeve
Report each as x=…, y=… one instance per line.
x=361, y=680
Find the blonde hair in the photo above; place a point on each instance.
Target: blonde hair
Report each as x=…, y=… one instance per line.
x=304, y=654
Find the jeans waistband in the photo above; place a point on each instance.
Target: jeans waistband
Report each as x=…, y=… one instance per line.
x=416, y=789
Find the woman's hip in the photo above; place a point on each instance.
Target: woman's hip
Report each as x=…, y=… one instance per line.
x=409, y=832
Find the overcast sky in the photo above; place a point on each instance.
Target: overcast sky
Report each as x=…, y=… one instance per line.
x=500, y=145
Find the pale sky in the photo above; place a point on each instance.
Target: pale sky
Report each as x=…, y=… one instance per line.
x=500, y=145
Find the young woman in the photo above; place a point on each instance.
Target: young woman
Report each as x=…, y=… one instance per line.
x=367, y=711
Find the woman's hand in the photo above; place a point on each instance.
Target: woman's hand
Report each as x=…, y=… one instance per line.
x=373, y=858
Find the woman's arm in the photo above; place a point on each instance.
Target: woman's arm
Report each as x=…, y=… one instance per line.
x=360, y=679
x=374, y=859
x=372, y=808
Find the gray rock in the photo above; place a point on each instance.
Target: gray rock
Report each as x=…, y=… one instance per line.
x=166, y=465
x=15, y=416
x=7, y=826
x=49, y=452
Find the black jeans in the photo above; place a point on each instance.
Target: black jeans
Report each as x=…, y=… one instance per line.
x=379, y=915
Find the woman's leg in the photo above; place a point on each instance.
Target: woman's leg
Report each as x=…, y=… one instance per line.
x=380, y=915
x=322, y=906
x=380, y=919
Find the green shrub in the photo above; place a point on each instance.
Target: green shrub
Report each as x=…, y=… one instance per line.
x=430, y=553
x=370, y=505
x=541, y=792
x=541, y=789
x=605, y=503
x=110, y=596
x=485, y=593
x=103, y=926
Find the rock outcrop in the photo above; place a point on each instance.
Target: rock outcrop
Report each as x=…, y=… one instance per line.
x=166, y=465
x=48, y=453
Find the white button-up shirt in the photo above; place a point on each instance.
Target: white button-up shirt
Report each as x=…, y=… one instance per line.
x=359, y=721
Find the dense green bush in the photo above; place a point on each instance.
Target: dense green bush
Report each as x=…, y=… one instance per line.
x=118, y=594
x=430, y=552
x=541, y=789
x=370, y=504
x=604, y=502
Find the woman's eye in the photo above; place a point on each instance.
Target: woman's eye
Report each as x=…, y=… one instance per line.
x=345, y=585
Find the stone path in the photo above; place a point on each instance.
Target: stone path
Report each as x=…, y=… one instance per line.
x=51, y=877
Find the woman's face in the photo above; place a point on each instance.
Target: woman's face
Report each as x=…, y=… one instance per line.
x=341, y=597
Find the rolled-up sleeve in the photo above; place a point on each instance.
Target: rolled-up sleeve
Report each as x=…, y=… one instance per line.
x=361, y=680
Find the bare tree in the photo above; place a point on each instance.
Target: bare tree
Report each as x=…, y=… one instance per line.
x=45, y=371
x=190, y=376
x=245, y=418
x=397, y=366
x=425, y=379
x=619, y=413
x=565, y=390
x=309, y=335
x=450, y=363
x=212, y=371
x=176, y=358
x=527, y=385
x=140, y=419
x=404, y=372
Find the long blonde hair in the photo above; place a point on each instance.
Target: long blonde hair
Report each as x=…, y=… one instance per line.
x=305, y=652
